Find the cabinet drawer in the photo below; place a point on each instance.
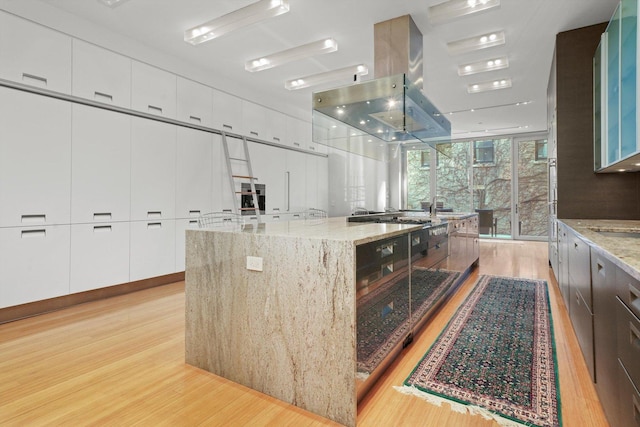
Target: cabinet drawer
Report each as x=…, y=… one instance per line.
x=99, y=255
x=195, y=102
x=629, y=398
x=582, y=320
x=182, y=225
x=34, y=264
x=628, y=289
x=34, y=55
x=580, y=268
x=227, y=112
x=629, y=341
x=101, y=75
x=152, y=249
x=153, y=90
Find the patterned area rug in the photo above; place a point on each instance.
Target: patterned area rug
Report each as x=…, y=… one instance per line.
x=383, y=314
x=496, y=357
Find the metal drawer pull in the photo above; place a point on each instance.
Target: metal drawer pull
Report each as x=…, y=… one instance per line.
x=297, y=144
x=195, y=119
x=275, y=138
x=634, y=337
x=634, y=299
x=254, y=133
x=34, y=77
x=102, y=95
x=101, y=228
x=154, y=214
x=193, y=221
x=33, y=219
x=194, y=213
x=154, y=225
x=227, y=126
x=153, y=108
x=102, y=216
x=33, y=233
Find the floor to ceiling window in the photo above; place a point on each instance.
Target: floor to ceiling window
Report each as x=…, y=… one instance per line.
x=503, y=179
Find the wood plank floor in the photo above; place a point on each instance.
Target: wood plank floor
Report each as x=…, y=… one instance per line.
x=120, y=362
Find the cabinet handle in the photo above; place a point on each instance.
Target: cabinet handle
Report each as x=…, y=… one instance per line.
x=636, y=409
x=193, y=221
x=226, y=210
x=101, y=228
x=311, y=147
x=253, y=217
x=154, y=214
x=227, y=126
x=27, y=234
x=153, y=108
x=102, y=216
x=194, y=213
x=296, y=215
x=634, y=337
x=276, y=217
x=26, y=76
x=634, y=299
x=98, y=95
x=275, y=138
x=195, y=119
x=33, y=219
x=254, y=133
x=154, y=225
x=297, y=144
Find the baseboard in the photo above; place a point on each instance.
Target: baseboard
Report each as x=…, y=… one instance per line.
x=35, y=308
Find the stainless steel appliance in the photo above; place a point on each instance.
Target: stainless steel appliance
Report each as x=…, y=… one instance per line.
x=246, y=199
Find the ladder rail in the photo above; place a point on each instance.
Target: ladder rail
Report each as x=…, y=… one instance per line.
x=230, y=173
x=252, y=180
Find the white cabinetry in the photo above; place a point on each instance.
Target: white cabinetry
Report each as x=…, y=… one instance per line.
x=99, y=255
x=101, y=75
x=227, y=112
x=34, y=55
x=269, y=165
x=100, y=166
x=181, y=226
x=35, y=159
x=296, y=182
x=153, y=170
x=194, y=180
x=195, y=102
x=322, y=183
x=254, y=120
x=152, y=249
x=277, y=128
x=34, y=264
x=153, y=90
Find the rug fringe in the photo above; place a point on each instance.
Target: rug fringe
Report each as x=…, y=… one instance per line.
x=458, y=407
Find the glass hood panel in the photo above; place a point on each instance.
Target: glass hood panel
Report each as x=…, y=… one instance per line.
x=390, y=109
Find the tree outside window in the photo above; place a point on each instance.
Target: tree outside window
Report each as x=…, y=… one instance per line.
x=541, y=150
x=483, y=152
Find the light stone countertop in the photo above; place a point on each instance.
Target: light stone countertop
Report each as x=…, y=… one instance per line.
x=623, y=251
x=335, y=228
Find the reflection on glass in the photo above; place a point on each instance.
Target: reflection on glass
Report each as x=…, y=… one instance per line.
x=628, y=33
x=613, y=88
x=418, y=169
x=453, y=187
x=532, y=188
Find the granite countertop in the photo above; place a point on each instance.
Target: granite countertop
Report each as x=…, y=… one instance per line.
x=624, y=251
x=335, y=228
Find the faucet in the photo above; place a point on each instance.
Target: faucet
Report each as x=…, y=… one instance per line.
x=434, y=206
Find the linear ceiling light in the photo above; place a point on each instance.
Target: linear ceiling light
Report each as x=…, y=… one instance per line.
x=457, y=8
x=112, y=3
x=486, y=86
x=483, y=66
x=482, y=41
x=248, y=15
x=329, y=76
x=293, y=54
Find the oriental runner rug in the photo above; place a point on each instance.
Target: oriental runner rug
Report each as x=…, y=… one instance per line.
x=496, y=357
x=383, y=314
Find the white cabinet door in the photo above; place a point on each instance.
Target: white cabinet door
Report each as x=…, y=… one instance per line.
x=34, y=55
x=254, y=120
x=153, y=170
x=296, y=181
x=227, y=112
x=34, y=264
x=277, y=131
x=195, y=102
x=322, y=183
x=100, y=166
x=181, y=226
x=101, y=75
x=269, y=166
x=194, y=181
x=218, y=175
x=99, y=255
x=311, y=192
x=152, y=249
x=153, y=90
x=35, y=159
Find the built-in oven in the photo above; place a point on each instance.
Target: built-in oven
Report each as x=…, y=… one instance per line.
x=246, y=199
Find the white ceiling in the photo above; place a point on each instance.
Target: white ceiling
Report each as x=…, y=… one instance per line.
x=530, y=27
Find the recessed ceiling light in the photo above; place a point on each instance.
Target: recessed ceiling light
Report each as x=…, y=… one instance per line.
x=452, y=9
x=243, y=17
x=481, y=41
x=341, y=74
x=493, y=64
x=293, y=54
x=491, y=85
x=112, y=3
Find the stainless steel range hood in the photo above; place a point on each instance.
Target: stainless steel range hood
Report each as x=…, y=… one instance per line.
x=392, y=107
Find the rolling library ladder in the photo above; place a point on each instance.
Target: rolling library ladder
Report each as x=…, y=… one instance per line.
x=236, y=178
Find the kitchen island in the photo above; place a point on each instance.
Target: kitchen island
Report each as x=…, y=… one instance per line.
x=277, y=307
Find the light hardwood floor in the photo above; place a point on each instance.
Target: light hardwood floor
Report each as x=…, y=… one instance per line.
x=120, y=362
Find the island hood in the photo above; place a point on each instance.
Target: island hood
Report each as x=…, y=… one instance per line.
x=392, y=106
